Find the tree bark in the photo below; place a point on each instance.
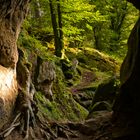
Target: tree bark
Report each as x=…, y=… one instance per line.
x=55, y=27
x=61, y=44
x=12, y=13
x=37, y=6
x=56, y=17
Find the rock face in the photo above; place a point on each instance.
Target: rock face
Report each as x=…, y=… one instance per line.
x=127, y=106
x=130, y=59
x=12, y=14
x=106, y=91
x=8, y=49
x=104, y=97
x=46, y=77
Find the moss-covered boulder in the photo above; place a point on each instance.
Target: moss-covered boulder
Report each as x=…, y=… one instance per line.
x=106, y=91
x=104, y=96
x=48, y=76
x=92, y=58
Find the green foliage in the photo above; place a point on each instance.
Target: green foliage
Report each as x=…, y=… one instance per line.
x=48, y=108
x=63, y=107
x=32, y=44
x=111, y=36
x=76, y=18
x=104, y=25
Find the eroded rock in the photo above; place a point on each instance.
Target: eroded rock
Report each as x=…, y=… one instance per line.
x=46, y=77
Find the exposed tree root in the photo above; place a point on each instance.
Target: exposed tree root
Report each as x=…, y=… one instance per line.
x=54, y=130
x=27, y=122
x=24, y=119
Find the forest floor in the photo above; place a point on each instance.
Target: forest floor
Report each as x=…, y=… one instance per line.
x=99, y=127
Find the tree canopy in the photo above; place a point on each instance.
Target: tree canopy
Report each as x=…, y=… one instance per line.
x=83, y=22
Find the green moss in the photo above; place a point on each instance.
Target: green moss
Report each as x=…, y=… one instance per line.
x=101, y=76
x=91, y=58
x=48, y=108
x=61, y=109
x=64, y=107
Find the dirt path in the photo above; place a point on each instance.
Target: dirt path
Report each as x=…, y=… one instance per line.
x=87, y=78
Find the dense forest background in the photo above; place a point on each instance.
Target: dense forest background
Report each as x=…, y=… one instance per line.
x=68, y=72
x=104, y=26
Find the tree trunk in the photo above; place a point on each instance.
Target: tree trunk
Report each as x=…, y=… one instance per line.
x=127, y=106
x=61, y=44
x=38, y=12
x=12, y=13
x=55, y=28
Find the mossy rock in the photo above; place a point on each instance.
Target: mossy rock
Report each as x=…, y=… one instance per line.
x=68, y=75
x=99, y=106
x=63, y=107
x=106, y=91
x=67, y=69
x=104, y=95
x=92, y=58
x=65, y=65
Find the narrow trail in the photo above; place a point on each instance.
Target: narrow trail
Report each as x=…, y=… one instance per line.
x=98, y=128
x=86, y=79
